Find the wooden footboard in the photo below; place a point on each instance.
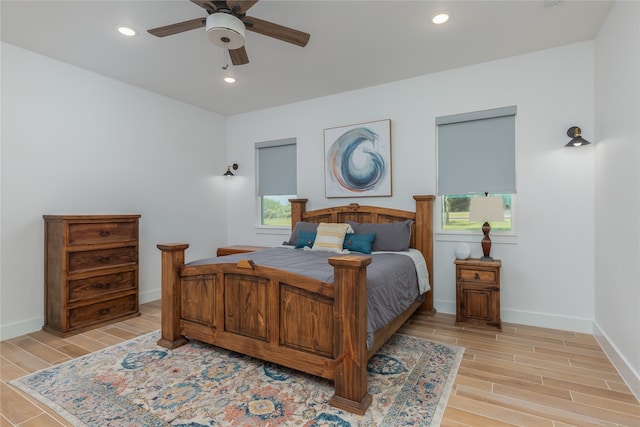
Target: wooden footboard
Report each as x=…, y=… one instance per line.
x=286, y=318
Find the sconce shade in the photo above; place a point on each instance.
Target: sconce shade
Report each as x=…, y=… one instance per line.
x=228, y=172
x=577, y=140
x=486, y=209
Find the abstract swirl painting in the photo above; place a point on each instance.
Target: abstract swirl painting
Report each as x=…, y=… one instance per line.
x=358, y=160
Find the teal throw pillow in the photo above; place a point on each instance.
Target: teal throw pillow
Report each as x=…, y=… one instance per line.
x=359, y=242
x=305, y=238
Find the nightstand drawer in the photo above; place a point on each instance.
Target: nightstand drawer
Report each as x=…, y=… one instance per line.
x=475, y=275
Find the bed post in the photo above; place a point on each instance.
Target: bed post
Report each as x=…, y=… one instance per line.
x=172, y=260
x=298, y=207
x=424, y=243
x=350, y=333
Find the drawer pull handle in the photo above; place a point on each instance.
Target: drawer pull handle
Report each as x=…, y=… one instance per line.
x=104, y=259
x=105, y=233
x=103, y=311
x=476, y=276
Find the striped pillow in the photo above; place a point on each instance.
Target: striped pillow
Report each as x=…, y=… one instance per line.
x=330, y=237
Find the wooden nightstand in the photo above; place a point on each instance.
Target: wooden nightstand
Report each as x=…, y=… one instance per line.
x=478, y=292
x=238, y=249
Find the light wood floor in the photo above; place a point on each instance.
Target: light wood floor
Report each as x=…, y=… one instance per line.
x=522, y=376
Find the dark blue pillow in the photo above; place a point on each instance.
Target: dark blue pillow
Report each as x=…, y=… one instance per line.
x=359, y=242
x=305, y=238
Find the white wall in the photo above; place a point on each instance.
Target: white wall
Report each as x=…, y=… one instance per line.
x=617, y=189
x=547, y=275
x=75, y=142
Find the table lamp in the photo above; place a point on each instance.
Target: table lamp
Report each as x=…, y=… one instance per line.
x=488, y=208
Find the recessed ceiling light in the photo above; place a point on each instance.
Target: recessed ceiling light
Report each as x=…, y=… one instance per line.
x=229, y=80
x=440, y=18
x=126, y=31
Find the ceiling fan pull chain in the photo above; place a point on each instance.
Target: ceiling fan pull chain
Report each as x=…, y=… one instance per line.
x=225, y=54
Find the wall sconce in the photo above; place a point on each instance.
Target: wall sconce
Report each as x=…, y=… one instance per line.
x=576, y=139
x=488, y=208
x=228, y=172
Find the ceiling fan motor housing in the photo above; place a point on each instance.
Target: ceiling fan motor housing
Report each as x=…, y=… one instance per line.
x=225, y=29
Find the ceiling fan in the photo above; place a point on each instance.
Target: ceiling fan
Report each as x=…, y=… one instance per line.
x=226, y=25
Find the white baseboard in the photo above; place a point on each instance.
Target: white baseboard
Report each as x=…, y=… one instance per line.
x=625, y=370
x=587, y=326
x=149, y=296
x=23, y=327
x=28, y=326
x=530, y=318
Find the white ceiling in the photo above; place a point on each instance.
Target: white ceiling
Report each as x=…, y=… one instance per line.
x=354, y=44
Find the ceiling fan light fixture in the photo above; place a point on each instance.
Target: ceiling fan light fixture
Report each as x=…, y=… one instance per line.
x=229, y=79
x=225, y=29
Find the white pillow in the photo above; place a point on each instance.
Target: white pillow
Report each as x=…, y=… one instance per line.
x=330, y=237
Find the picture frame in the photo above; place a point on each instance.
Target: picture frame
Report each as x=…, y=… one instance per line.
x=357, y=160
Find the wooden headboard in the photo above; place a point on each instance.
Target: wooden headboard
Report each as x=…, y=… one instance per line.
x=421, y=231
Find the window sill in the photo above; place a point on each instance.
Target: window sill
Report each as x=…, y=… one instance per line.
x=283, y=231
x=510, y=239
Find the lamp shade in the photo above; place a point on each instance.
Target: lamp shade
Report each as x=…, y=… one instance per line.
x=228, y=172
x=486, y=209
x=575, y=133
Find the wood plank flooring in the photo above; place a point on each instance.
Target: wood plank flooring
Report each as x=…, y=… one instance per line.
x=522, y=376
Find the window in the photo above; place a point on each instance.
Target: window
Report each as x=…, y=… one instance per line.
x=276, y=210
x=476, y=155
x=455, y=213
x=276, y=181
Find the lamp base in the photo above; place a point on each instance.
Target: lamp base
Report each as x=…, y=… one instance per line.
x=486, y=242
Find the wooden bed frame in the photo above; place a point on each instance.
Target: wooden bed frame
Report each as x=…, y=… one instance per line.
x=289, y=319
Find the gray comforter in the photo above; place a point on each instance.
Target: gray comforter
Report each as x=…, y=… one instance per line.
x=392, y=283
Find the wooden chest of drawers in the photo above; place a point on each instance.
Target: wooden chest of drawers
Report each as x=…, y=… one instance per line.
x=90, y=271
x=478, y=292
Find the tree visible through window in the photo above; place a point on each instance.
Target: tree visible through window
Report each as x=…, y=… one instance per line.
x=455, y=213
x=276, y=210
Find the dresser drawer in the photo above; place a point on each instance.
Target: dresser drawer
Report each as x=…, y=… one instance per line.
x=101, y=285
x=102, y=232
x=475, y=275
x=106, y=310
x=102, y=258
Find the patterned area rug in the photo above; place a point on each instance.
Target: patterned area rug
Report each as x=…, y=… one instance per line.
x=138, y=383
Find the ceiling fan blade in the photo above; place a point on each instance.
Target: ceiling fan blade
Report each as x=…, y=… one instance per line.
x=209, y=6
x=239, y=56
x=179, y=27
x=276, y=31
x=241, y=5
